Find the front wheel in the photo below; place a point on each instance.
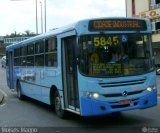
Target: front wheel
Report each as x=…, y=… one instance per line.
x=19, y=92
x=58, y=107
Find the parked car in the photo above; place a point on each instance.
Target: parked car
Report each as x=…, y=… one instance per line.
x=3, y=61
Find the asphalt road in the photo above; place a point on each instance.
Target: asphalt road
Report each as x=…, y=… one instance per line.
x=15, y=114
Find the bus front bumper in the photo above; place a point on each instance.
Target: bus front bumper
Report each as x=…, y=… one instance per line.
x=92, y=107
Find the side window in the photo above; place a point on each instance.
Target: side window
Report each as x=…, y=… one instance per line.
x=30, y=55
x=17, y=52
x=51, y=44
x=39, y=53
x=30, y=49
x=23, y=61
x=39, y=47
x=23, y=51
x=39, y=60
x=16, y=57
x=51, y=60
x=30, y=61
x=51, y=52
x=17, y=61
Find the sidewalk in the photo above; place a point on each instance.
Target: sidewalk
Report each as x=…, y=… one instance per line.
x=1, y=97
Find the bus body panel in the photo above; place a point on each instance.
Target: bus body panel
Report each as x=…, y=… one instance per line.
x=39, y=88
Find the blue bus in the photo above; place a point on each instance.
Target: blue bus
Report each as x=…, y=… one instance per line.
x=92, y=67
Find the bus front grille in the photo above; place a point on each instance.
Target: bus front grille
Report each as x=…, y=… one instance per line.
x=122, y=83
x=120, y=94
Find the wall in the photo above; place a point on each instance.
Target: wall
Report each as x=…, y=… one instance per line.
x=140, y=6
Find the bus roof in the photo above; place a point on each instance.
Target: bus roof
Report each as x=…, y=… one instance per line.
x=70, y=27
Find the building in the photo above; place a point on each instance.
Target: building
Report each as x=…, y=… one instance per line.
x=8, y=40
x=2, y=48
x=12, y=40
x=1, y=40
x=147, y=9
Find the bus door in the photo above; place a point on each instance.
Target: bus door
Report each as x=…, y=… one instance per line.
x=10, y=64
x=69, y=68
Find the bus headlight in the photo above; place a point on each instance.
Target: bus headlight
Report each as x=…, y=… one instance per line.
x=151, y=88
x=93, y=95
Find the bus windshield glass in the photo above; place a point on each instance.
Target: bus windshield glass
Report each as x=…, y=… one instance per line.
x=115, y=55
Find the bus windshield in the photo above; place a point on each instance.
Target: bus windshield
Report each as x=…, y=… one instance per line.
x=115, y=55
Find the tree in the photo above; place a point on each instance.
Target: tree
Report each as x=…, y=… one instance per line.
x=14, y=34
x=26, y=33
x=29, y=33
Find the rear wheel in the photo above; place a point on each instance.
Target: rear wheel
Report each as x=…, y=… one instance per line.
x=58, y=107
x=19, y=92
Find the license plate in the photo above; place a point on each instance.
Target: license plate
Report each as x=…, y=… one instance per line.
x=128, y=101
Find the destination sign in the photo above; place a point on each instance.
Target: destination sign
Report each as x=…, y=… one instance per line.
x=108, y=69
x=117, y=24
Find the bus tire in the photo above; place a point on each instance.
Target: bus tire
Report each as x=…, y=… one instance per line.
x=19, y=92
x=58, y=107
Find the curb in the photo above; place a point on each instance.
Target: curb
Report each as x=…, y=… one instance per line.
x=1, y=98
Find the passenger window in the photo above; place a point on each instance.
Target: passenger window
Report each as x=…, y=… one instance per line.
x=39, y=47
x=30, y=49
x=51, y=44
x=23, y=50
x=51, y=52
x=30, y=61
x=51, y=60
x=16, y=62
x=23, y=61
x=17, y=52
x=16, y=57
x=39, y=60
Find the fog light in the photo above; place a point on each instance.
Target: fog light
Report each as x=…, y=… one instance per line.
x=145, y=102
x=103, y=108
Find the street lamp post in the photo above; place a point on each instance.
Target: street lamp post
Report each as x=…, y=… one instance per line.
x=36, y=19
x=41, y=18
x=45, y=15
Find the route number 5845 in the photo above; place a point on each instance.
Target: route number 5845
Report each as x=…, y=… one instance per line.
x=103, y=41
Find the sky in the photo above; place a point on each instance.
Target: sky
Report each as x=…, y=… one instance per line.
x=20, y=15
